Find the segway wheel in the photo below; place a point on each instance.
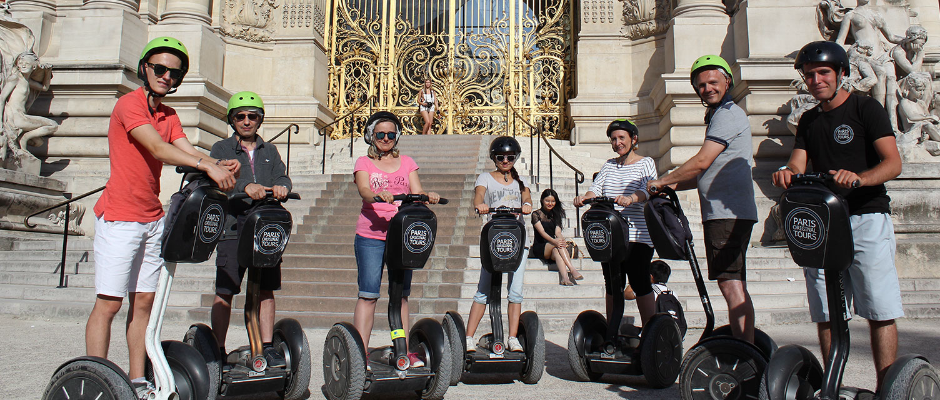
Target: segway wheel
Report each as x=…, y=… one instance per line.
x=453, y=326
x=201, y=338
x=344, y=365
x=916, y=380
x=661, y=354
x=533, y=341
x=87, y=380
x=763, y=341
x=429, y=340
x=290, y=335
x=793, y=373
x=190, y=373
x=721, y=368
x=587, y=334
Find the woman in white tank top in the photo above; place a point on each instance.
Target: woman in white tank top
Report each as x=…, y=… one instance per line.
x=427, y=103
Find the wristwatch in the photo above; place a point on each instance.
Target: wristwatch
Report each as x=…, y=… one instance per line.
x=786, y=167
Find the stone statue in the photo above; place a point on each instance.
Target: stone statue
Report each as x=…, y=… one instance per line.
x=802, y=102
x=862, y=77
x=866, y=24
x=248, y=19
x=914, y=108
x=829, y=16
x=908, y=57
x=20, y=89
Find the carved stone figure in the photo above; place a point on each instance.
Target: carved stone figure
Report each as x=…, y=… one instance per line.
x=918, y=123
x=20, y=89
x=908, y=57
x=829, y=17
x=862, y=77
x=866, y=24
x=644, y=18
x=802, y=102
x=248, y=19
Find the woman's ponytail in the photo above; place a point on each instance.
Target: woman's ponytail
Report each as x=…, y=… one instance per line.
x=515, y=175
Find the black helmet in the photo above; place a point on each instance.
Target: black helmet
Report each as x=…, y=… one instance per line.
x=622, y=124
x=823, y=52
x=504, y=144
x=380, y=117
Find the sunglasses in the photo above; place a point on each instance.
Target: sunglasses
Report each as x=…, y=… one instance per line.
x=250, y=116
x=160, y=69
x=381, y=135
x=502, y=157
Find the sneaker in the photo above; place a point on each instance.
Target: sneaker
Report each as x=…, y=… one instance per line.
x=415, y=361
x=273, y=357
x=514, y=344
x=143, y=388
x=471, y=345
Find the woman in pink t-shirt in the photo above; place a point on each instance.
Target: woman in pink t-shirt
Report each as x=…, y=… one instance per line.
x=383, y=173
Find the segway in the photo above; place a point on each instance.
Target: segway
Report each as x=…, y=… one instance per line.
x=409, y=243
x=263, y=238
x=502, y=243
x=819, y=235
x=178, y=371
x=719, y=366
x=597, y=346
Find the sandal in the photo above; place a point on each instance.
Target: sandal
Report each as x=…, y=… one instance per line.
x=566, y=283
x=579, y=277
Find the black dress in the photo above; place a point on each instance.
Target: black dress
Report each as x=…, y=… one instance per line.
x=539, y=242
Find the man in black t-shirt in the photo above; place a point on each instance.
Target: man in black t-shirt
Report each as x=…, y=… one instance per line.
x=850, y=137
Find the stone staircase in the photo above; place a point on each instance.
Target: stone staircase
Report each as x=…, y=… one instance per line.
x=319, y=272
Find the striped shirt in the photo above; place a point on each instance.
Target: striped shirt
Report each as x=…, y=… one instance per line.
x=623, y=180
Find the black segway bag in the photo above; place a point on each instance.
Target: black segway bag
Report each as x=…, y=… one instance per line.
x=603, y=230
x=668, y=227
x=194, y=222
x=501, y=244
x=816, y=222
x=413, y=229
x=264, y=235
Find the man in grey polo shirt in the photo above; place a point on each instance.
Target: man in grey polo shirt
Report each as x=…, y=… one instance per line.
x=721, y=170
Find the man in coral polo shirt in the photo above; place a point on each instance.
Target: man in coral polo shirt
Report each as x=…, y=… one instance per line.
x=142, y=136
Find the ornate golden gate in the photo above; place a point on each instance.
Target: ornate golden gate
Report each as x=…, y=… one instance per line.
x=481, y=55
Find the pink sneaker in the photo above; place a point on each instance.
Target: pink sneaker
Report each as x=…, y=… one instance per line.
x=415, y=361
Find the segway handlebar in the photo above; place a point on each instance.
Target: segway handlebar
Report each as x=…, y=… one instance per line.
x=267, y=194
x=502, y=210
x=188, y=170
x=600, y=199
x=411, y=198
x=820, y=177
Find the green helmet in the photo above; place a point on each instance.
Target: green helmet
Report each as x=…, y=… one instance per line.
x=163, y=44
x=623, y=124
x=707, y=62
x=244, y=100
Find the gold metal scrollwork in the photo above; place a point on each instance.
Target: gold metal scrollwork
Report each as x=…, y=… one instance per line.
x=479, y=54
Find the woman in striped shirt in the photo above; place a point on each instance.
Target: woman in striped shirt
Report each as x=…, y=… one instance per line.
x=624, y=178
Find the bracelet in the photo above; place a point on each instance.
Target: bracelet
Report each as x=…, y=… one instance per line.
x=786, y=167
x=197, y=163
x=527, y=204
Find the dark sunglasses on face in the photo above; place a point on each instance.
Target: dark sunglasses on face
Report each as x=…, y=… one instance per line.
x=160, y=69
x=250, y=116
x=381, y=135
x=510, y=157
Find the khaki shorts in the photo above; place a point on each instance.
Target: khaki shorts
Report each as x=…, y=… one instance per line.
x=726, y=242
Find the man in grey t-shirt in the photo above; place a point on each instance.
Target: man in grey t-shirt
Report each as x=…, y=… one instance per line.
x=721, y=170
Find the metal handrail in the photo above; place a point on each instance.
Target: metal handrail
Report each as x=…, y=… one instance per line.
x=296, y=131
x=65, y=231
x=578, y=175
x=351, y=135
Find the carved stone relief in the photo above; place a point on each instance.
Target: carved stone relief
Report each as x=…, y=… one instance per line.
x=644, y=18
x=249, y=20
x=598, y=11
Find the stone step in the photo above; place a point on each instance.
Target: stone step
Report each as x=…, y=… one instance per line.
x=78, y=294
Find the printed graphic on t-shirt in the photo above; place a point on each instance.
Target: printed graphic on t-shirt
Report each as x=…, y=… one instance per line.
x=843, y=134
x=504, y=196
x=380, y=181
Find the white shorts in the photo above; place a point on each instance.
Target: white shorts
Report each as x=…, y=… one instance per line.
x=871, y=282
x=127, y=256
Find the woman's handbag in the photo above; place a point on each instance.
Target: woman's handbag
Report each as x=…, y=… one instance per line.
x=573, y=250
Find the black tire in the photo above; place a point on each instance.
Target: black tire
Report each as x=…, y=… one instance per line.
x=533, y=341
x=763, y=341
x=422, y=341
x=344, y=368
x=661, y=351
x=201, y=338
x=587, y=334
x=725, y=368
x=793, y=373
x=453, y=327
x=917, y=380
x=190, y=373
x=84, y=379
x=289, y=334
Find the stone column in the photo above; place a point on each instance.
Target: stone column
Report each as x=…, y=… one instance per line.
x=126, y=5
x=33, y=5
x=186, y=12
x=699, y=27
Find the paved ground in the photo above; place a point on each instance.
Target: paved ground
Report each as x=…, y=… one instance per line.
x=36, y=347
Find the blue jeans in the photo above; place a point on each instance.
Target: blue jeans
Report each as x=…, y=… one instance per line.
x=515, y=282
x=370, y=258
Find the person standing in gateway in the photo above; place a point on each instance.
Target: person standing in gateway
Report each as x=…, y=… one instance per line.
x=721, y=170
